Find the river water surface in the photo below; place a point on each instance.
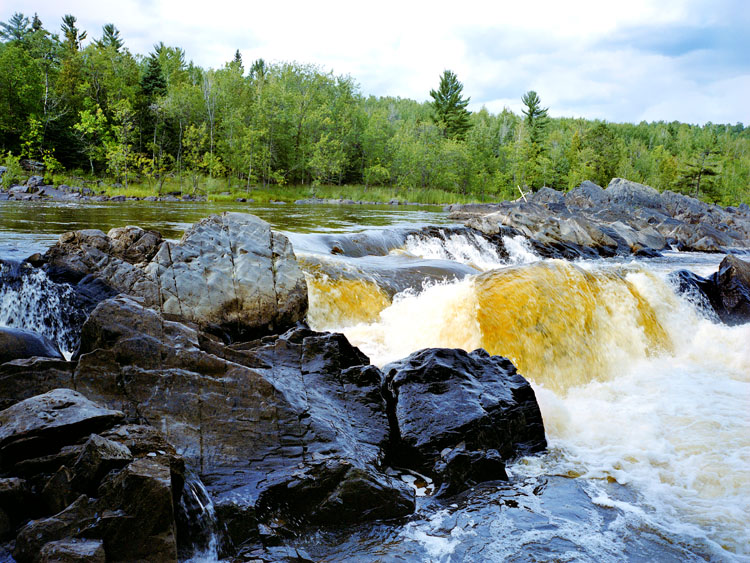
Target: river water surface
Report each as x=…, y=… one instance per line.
x=645, y=396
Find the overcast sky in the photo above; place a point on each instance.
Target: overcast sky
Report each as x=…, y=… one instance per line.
x=651, y=60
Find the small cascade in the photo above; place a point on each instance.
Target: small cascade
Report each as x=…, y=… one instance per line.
x=30, y=300
x=198, y=527
x=459, y=245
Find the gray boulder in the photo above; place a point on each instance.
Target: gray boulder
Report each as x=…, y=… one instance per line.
x=18, y=343
x=233, y=271
x=585, y=196
x=632, y=194
x=229, y=271
x=35, y=182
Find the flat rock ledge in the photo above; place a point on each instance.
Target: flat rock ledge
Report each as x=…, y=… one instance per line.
x=626, y=218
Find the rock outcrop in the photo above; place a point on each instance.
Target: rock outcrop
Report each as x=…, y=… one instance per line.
x=230, y=272
x=84, y=486
x=18, y=343
x=725, y=294
x=456, y=415
x=626, y=218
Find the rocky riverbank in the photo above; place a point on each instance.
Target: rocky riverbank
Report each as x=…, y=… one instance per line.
x=625, y=218
x=200, y=413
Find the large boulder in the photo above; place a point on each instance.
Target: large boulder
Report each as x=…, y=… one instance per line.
x=633, y=195
x=303, y=412
x=37, y=425
x=455, y=411
x=18, y=343
x=233, y=271
x=732, y=282
x=230, y=272
x=585, y=196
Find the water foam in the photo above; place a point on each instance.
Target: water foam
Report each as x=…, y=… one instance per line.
x=636, y=386
x=30, y=300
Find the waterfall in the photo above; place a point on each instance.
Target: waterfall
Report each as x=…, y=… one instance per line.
x=30, y=300
x=198, y=528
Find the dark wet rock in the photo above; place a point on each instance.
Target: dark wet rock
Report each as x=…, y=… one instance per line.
x=138, y=513
x=21, y=379
x=14, y=497
x=732, y=282
x=626, y=218
x=37, y=426
x=58, y=491
x=76, y=521
x=98, y=457
x=725, y=295
x=73, y=551
x=460, y=469
x=310, y=400
x=446, y=398
x=19, y=344
x=334, y=492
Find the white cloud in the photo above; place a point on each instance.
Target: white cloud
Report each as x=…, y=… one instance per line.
x=620, y=61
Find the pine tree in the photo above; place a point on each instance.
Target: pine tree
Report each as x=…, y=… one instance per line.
x=110, y=38
x=15, y=28
x=73, y=36
x=536, y=116
x=449, y=107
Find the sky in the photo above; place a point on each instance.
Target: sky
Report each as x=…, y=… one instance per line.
x=685, y=60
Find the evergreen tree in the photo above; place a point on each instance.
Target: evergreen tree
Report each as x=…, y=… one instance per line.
x=73, y=36
x=698, y=176
x=449, y=107
x=110, y=38
x=15, y=28
x=36, y=23
x=536, y=165
x=536, y=116
x=237, y=58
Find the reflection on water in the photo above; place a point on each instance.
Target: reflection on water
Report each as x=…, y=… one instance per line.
x=28, y=227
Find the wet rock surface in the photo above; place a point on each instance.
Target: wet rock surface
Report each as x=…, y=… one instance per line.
x=83, y=496
x=229, y=271
x=725, y=294
x=626, y=218
x=20, y=344
x=286, y=432
x=457, y=415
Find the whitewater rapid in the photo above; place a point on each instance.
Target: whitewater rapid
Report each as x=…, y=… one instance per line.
x=636, y=385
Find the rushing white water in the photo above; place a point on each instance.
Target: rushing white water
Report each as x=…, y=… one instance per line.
x=472, y=249
x=30, y=300
x=661, y=404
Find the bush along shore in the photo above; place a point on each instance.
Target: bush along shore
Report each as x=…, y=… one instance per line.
x=200, y=413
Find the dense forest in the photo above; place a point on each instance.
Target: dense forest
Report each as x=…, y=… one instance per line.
x=92, y=108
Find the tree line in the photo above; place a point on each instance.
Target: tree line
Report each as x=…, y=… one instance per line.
x=98, y=109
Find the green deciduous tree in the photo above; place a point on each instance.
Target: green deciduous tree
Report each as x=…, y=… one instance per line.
x=449, y=106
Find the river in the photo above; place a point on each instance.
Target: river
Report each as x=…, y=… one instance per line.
x=645, y=397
